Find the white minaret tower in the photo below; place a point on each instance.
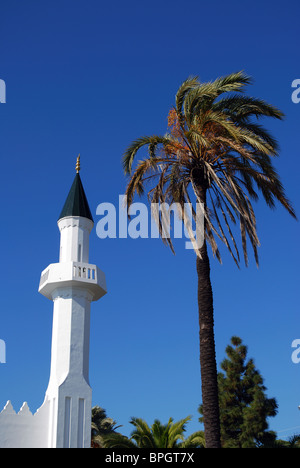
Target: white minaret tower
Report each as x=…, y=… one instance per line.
x=72, y=284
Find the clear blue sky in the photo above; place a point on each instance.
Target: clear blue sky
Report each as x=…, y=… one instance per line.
x=89, y=77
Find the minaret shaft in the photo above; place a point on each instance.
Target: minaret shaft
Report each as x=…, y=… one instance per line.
x=69, y=391
x=70, y=336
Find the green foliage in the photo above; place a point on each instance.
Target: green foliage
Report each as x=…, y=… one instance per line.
x=101, y=426
x=292, y=442
x=244, y=406
x=158, y=435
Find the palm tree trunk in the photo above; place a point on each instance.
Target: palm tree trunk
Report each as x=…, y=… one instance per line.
x=207, y=353
x=209, y=376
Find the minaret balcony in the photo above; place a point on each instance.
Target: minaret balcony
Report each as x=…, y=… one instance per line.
x=73, y=274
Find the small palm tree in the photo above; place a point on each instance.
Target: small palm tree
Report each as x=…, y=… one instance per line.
x=170, y=435
x=215, y=150
x=292, y=442
x=101, y=426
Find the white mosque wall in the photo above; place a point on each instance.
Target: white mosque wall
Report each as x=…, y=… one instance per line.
x=24, y=429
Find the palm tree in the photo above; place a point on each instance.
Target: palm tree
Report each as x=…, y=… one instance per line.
x=101, y=426
x=216, y=151
x=159, y=435
x=292, y=442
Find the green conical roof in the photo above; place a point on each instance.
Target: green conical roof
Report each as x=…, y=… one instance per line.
x=76, y=203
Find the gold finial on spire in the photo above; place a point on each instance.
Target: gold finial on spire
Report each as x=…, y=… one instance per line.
x=78, y=164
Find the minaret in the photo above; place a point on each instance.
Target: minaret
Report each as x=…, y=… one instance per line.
x=72, y=284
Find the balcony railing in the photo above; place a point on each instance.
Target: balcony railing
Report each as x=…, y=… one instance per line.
x=80, y=271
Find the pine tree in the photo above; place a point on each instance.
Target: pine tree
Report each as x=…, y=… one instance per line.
x=244, y=406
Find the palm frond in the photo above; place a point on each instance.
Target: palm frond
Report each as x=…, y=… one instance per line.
x=189, y=84
x=232, y=82
x=151, y=141
x=115, y=440
x=223, y=236
x=195, y=440
x=241, y=107
x=142, y=434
